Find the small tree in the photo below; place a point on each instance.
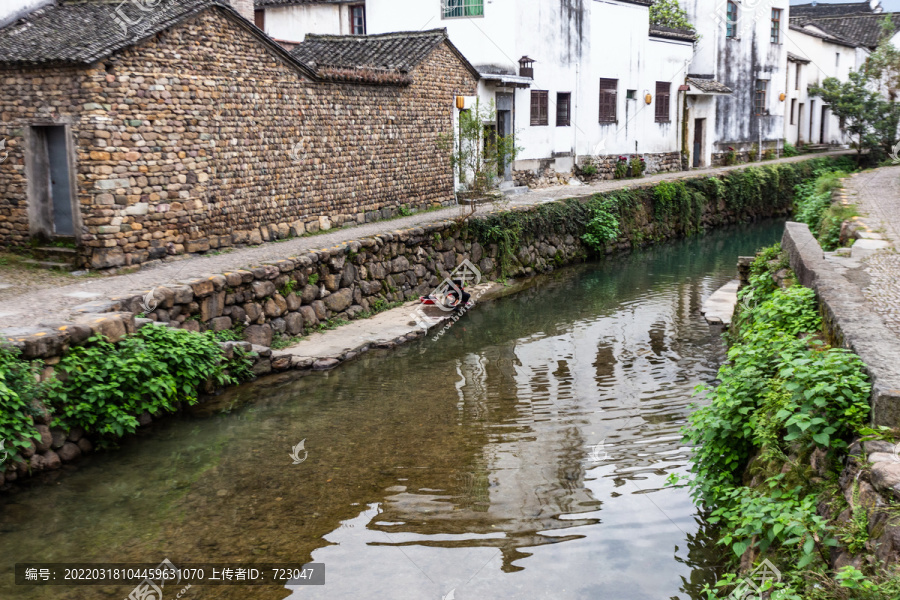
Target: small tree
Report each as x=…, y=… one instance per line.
x=669, y=14
x=476, y=155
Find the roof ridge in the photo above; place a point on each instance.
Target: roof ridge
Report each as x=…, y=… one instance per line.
x=376, y=37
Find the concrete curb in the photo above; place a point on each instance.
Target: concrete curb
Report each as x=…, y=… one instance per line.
x=849, y=321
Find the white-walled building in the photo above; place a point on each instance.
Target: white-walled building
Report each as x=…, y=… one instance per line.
x=743, y=48
x=572, y=79
x=288, y=21
x=813, y=57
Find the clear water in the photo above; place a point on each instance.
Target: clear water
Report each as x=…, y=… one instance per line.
x=522, y=456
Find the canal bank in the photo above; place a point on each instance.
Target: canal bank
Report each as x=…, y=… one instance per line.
x=289, y=297
x=524, y=454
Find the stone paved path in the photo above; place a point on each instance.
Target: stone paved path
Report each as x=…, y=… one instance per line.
x=876, y=194
x=24, y=306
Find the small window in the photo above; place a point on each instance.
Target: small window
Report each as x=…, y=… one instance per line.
x=563, y=109
x=608, y=100
x=358, y=19
x=454, y=9
x=797, y=76
x=631, y=94
x=539, y=100
x=663, y=89
x=837, y=59
x=259, y=19
x=775, y=36
x=731, y=20
x=793, y=109
x=759, y=104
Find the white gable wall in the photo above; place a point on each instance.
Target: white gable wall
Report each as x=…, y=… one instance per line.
x=292, y=23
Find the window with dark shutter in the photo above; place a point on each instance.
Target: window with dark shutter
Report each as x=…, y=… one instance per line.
x=663, y=89
x=539, y=100
x=608, y=100
x=259, y=19
x=563, y=109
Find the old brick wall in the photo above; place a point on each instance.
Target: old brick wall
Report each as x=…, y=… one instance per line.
x=204, y=138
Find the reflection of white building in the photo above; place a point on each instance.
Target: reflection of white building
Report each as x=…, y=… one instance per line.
x=571, y=79
x=288, y=21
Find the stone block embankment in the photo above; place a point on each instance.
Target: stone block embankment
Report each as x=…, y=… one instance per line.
x=849, y=321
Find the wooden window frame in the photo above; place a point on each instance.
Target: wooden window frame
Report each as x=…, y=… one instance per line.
x=540, y=100
x=731, y=11
x=609, y=95
x=759, y=97
x=663, y=99
x=775, y=32
x=563, y=109
x=353, y=8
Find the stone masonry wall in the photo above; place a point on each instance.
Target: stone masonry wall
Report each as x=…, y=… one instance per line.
x=204, y=138
x=666, y=162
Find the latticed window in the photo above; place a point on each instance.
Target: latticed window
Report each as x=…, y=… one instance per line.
x=452, y=9
x=663, y=89
x=775, y=36
x=759, y=104
x=608, y=100
x=539, y=101
x=731, y=20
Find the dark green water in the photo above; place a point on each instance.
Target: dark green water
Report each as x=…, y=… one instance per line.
x=522, y=456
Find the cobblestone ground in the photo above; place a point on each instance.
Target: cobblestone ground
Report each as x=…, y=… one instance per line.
x=876, y=194
x=29, y=300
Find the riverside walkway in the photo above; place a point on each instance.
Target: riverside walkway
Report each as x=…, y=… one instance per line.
x=876, y=194
x=35, y=300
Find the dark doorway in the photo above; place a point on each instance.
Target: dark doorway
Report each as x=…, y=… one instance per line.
x=822, y=138
x=50, y=192
x=698, y=142
x=504, y=104
x=800, y=124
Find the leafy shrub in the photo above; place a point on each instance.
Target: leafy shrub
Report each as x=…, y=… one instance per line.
x=104, y=386
x=19, y=394
x=813, y=206
x=781, y=391
x=588, y=170
x=637, y=166
x=789, y=150
x=603, y=226
x=621, y=169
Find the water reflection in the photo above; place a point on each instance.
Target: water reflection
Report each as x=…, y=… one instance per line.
x=468, y=465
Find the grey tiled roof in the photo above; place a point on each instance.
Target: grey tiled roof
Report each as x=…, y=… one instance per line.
x=829, y=10
x=266, y=3
x=672, y=33
x=391, y=54
x=710, y=86
x=858, y=29
x=86, y=31
x=797, y=58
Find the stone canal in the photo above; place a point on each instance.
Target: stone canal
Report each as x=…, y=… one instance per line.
x=523, y=455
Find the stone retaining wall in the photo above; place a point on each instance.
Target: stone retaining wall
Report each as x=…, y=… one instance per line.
x=848, y=321
x=203, y=137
